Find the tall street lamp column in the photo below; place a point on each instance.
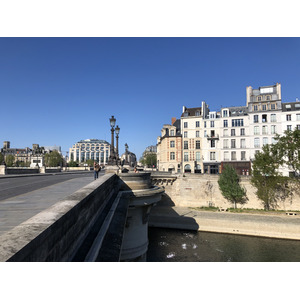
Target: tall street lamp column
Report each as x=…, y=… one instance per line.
x=112, y=121
x=117, y=143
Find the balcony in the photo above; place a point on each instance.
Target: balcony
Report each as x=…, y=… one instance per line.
x=212, y=137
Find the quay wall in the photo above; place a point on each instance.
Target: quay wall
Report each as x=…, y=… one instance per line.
x=196, y=190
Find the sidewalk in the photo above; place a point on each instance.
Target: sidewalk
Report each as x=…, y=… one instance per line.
x=15, y=210
x=285, y=227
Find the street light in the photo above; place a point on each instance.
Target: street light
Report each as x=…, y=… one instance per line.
x=117, y=143
x=112, y=121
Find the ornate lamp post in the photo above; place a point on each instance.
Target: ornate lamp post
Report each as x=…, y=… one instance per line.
x=112, y=121
x=117, y=143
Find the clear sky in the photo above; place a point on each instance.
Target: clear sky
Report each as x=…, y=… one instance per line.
x=57, y=91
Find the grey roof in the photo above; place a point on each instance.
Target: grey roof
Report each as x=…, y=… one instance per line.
x=93, y=141
x=290, y=106
x=192, y=111
x=238, y=111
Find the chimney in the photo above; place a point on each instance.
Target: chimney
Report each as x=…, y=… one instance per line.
x=173, y=120
x=183, y=109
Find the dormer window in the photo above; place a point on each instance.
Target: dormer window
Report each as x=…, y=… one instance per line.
x=259, y=98
x=186, y=114
x=268, y=97
x=197, y=113
x=225, y=113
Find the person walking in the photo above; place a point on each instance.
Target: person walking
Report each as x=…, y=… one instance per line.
x=96, y=170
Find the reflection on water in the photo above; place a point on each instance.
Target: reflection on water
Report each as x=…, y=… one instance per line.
x=189, y=246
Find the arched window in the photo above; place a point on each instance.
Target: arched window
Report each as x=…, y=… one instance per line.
x=187, y=168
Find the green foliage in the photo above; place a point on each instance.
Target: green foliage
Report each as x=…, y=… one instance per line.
x=73, y=163
x=53, y=159
x=271, y=186
x=90, y=162
x=230, y=187
x=22, y=163
x=287, y=150
x=1, y=158
x=149, y=159
x=9, y=160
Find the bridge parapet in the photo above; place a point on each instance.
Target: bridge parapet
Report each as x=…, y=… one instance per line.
x=163, y=179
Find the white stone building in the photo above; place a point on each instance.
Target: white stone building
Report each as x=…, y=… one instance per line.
x=211, y=139
x=94, y=149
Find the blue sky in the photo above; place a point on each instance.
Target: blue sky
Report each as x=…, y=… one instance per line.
x=57, y=91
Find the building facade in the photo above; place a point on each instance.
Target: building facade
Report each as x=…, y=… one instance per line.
x=212, y=139
x=94, y=149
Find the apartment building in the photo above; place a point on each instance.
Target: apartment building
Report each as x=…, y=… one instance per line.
x=169, y=148
x=212, y=139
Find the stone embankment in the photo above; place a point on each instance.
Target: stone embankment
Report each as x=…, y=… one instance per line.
x=273, y=226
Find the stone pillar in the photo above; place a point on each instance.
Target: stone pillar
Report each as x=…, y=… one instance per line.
x=142, y=196
x=43, y=169
x=3, y=170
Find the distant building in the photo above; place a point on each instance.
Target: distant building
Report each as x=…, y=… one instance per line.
x=94, y=149
x=128, y=158
x=49, y=149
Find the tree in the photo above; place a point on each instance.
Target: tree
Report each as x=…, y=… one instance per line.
x=149, y=159
x=287, y=150
x=229, y=184
x=1, y=158
x=9, y=160
x=72, y=163
x=271, y=186
x=53, y=159
x=90, y=162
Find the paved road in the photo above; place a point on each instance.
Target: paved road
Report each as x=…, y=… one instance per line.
x=14, y=186
x=24, y=197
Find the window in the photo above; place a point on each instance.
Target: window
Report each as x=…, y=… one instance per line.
x=212, y=155
x=297, y=117
x=212, y=133
x=268, y=97
x=212, y=123
x=232, y=132
x=256, y=143
x=225, y=113
x=185, y=134
x=185, y=124
x=197, y=113
x=255, y=107
x=226, y=155
x=298, y=127
x=265, y=130
x=205, y=134
x=198, y=156
x=172, y=144
x=186, y=156
x=255, y=118
x=264, y=118
x=273, y=129
x=264, y=107
x=288, y=117
x=273, y=106
x=212, y=143
x=289, y=127
x=273, y=140
x=225, y=144
x=185, y=145
x=197, y=133
x=273, y=117
x=186, y=114
x=233, y=155
x=225, y=123
x=204, y=124
x=197, y=124
x=233, y=144
x=265, y=141
x=243, y=155
x=259, y=98
x=197, y=144
x=172, y=133
x=242, y=131
x=237, y=122
x=243, y=143
x=172, y=155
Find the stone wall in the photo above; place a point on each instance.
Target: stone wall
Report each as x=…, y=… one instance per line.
x=196, y=190
x=56, y=233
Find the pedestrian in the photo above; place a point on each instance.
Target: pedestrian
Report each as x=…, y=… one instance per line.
x=96, y=170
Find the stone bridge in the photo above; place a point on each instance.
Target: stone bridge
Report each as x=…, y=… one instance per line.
x=106, y=220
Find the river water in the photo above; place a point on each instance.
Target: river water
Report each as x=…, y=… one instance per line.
x=170, y=245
